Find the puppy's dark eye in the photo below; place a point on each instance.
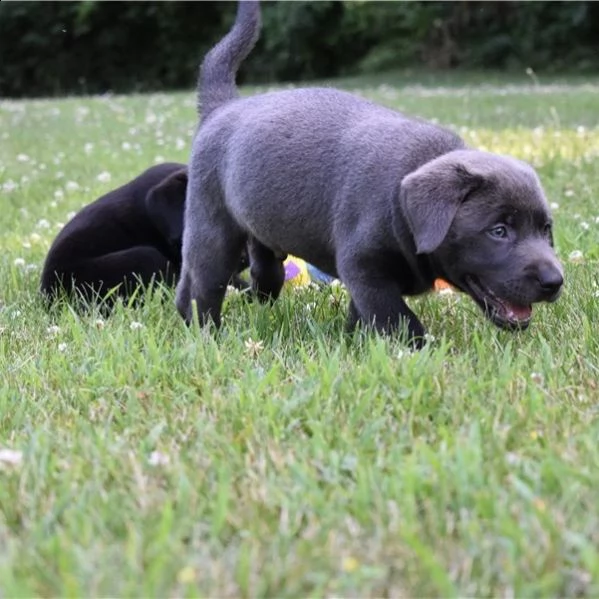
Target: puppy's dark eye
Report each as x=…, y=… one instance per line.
x=548, y=229
x=498, y=232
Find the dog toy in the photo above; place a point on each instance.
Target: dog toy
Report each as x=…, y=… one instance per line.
x=296, y=272
x=441, y=285
x=299, y=273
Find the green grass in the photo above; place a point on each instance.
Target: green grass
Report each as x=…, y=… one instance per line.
x=279, y=457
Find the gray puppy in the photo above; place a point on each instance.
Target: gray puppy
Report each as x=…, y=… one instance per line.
x=384, y=202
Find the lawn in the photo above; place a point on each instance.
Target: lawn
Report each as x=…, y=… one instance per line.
x=281, y=457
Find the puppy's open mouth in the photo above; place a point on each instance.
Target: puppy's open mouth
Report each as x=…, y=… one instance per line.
x=501, y=312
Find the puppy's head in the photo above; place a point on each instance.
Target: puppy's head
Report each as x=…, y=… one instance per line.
x=484, y=221
x=165, y=204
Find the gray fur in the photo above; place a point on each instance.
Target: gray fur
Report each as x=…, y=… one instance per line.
x=384, y=202
x=217, y=73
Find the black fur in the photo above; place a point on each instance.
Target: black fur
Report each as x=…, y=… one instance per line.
x=129, y=237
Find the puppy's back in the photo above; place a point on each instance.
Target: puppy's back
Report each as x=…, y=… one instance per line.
x=293, y=156
x=114, y=222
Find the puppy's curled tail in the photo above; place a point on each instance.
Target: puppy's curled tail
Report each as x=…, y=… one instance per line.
x=216, y=85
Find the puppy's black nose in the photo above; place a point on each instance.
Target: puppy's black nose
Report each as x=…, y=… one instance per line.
x=550, y=279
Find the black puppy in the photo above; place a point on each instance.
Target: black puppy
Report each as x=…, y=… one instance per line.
x=130, y=236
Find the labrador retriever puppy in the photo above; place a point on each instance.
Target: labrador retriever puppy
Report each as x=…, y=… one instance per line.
x=130, y=236
x=384, y=202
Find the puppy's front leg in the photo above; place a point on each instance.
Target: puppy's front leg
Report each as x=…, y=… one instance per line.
x=377, y=302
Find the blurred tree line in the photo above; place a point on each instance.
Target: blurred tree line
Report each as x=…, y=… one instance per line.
x=51, y=48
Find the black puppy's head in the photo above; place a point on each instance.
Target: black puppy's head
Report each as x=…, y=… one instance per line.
x=485, y=223
x=165, y=205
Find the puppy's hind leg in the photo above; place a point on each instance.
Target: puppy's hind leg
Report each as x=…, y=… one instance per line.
x=210, y=257
x=267, y=271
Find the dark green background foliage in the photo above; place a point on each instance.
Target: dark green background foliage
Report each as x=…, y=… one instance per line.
x=49, y=48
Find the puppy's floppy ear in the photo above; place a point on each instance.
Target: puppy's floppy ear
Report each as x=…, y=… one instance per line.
x=165, y=204
x=429, y=199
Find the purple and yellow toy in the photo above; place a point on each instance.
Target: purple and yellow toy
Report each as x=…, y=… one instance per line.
x=299, y=273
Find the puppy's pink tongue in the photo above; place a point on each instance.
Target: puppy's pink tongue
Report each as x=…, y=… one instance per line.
x=515, y=312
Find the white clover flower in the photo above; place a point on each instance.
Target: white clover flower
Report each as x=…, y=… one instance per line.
x=62, y=347
x=23, y=158
x=9, y=186
x=536, y=377
x=71, y=215
x=134, y=326
x=100, y=323
x=82, y=111
x=59, y=175
x=180, y=143
x=31, y=267
x=584, y=226
x=72, y=186
x=254, y=347
x=59, y=194
x=126, y=145
x=554, y=205
x=19, y=262
x=576, y=256
x=42, y=224
x=10, y=458
x=158, y=459
x=568, y=193
x=35, y=237
x=53, y=330
x=158, y=159
x=104, y=177
x=88, y=147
